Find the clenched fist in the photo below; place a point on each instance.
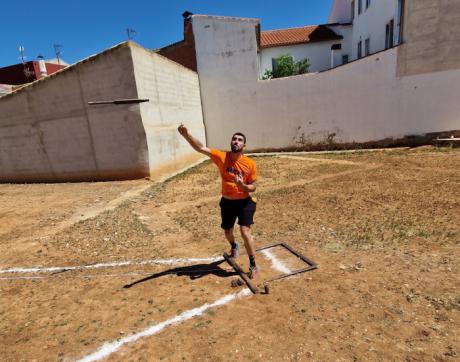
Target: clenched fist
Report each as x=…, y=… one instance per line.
x=182, y=130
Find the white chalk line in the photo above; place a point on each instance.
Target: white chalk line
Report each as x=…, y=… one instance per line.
x=110, y=347
x=111, y=265
x=90, y=276
x=277, y=263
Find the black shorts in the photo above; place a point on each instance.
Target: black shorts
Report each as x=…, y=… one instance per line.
x=243, y=209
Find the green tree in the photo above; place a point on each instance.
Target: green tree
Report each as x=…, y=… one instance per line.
x=285, y=66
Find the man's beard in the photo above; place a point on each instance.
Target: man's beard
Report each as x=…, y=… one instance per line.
x=235, y=148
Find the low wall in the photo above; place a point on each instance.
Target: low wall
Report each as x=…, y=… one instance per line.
x=362, y=102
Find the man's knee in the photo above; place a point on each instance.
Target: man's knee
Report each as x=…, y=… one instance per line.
x=228, y=232
x=245, y=230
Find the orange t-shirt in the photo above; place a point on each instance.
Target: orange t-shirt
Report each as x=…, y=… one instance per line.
x=228, y=169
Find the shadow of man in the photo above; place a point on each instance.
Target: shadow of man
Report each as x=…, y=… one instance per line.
x=193, y=271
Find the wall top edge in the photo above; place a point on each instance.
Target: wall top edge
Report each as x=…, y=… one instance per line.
x=218, y=17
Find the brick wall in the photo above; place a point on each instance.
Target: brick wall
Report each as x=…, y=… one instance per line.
x=182, y=52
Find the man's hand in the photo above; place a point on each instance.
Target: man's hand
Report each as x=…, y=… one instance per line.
x=196, y=144
x=239, y=181
x=241, y=185
x=182, y=130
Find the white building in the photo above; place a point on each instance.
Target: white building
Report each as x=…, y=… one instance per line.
x=375, y=24
x=309, y=42
x=356, y=28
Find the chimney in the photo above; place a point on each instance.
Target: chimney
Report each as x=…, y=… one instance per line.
x=42, y=66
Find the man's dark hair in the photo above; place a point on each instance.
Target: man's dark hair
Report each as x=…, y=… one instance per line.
x=240, y=134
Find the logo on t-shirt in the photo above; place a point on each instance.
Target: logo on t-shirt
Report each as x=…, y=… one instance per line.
x=234, y=171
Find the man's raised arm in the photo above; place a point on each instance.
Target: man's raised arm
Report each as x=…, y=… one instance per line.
x=196, y=144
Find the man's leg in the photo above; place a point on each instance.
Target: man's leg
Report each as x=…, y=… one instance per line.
x=249, y=245
x=246, y=219
x=247, y=238
x=234, y=246
x=228, y=220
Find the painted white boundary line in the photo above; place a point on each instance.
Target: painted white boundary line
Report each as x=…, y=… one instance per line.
x=277, y=263
x=110, y=347
x=90, y=276
x=111, y=265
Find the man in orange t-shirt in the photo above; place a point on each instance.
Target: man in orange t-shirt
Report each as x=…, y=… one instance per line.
x=239, y=174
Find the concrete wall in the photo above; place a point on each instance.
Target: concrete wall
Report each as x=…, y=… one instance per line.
x=48, y=132
x=174, y=95
x=431, y=32
x=360, y=102
x=319, y=55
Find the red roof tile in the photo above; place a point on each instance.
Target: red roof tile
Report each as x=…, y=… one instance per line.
x=306, y=34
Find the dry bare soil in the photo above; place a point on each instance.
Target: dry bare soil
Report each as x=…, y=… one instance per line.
x=383, y=226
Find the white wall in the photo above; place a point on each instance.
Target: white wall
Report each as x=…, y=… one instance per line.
x=174, y=95
x=319, y=55
x=360, y=102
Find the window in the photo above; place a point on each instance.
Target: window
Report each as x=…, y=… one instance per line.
x=360, y=6
x=345, y=59
x=368, y=3
x=360, y=49
x=353, y=10
x=367, y=46
x=274, y=64
x=389, y=34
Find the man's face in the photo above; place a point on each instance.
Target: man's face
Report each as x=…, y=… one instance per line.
x=237, y=143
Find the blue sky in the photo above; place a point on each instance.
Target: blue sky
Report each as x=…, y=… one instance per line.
x=86, y=27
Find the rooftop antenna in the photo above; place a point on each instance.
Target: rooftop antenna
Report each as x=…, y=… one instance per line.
x=27, y=72
x=21, y=54
x=57, y=51
x=131, y=33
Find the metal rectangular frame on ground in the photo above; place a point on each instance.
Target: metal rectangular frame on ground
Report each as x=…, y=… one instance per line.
x=311, y=264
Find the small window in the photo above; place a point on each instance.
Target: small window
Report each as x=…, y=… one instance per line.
x=367, y=46
x=360, y=6
x=360, y=49
x=274, y=64
x=368, y=3
x=389, y=28
x=345, y=59
x=353, y=10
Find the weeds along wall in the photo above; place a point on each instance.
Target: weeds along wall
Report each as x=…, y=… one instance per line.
x=361, y=102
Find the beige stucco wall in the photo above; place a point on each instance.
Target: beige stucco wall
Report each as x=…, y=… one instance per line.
x=174, y=95
x=48, y=132
x=362, y=101
x=431, y=33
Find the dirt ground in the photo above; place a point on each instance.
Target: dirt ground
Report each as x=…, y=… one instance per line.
x=383, y=226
